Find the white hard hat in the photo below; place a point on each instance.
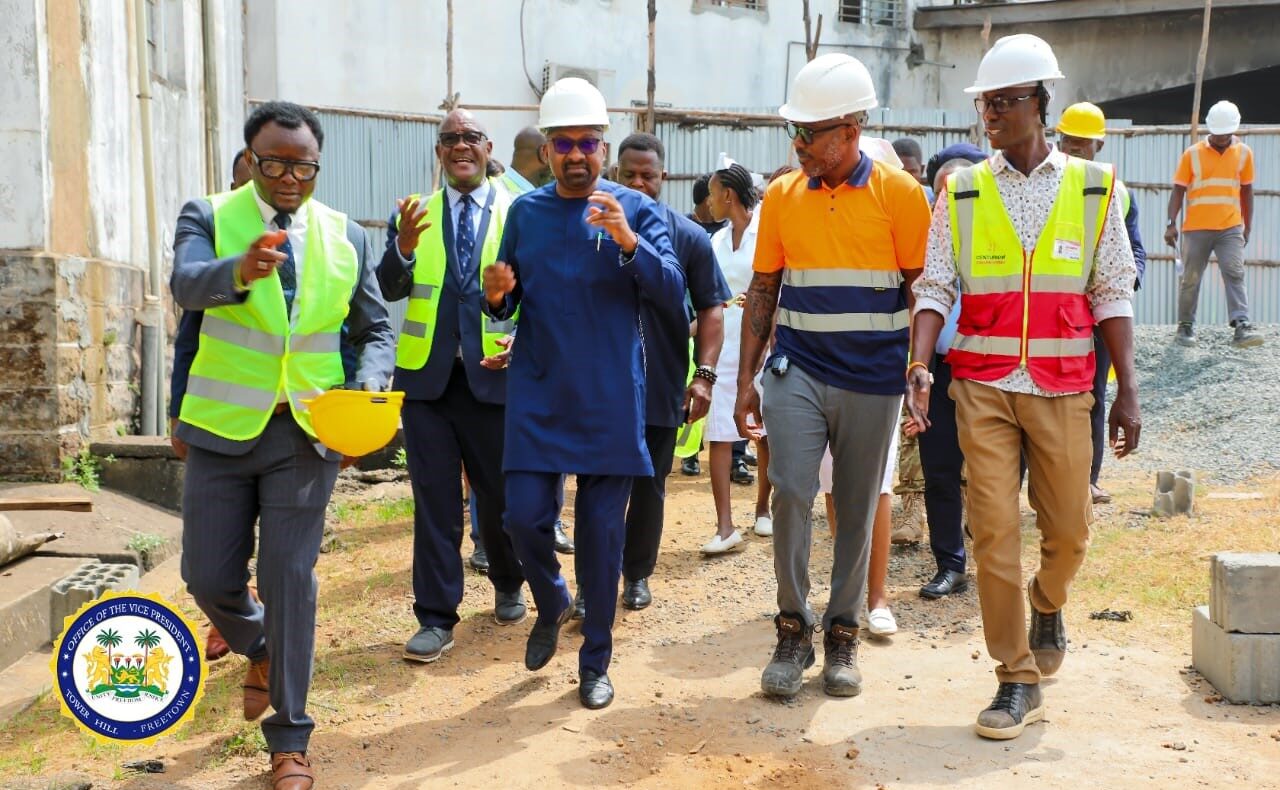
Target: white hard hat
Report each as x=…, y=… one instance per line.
x=572, y=101
x=1021, y=59
x=880, y=150
x=1223, y=118
x=829, y=86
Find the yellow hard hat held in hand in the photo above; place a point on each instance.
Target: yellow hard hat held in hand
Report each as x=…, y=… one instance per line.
x=353, y=422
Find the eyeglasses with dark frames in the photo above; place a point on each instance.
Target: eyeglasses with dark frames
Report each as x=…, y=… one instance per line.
x=999, y=104
x=807, y=133
x=272, y=167
x=565, y=145
x=450, y=139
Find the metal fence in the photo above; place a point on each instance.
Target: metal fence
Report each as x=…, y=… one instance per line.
x=371, y=159
x=1145, y=158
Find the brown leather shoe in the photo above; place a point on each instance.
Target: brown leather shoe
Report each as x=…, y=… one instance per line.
x=256, y=697
x=291, y=771
x=215, y=647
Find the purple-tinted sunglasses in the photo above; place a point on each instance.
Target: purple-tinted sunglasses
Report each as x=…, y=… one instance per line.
x=565, y=145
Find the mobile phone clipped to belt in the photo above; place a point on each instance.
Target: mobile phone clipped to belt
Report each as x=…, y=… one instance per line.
x=780, y=365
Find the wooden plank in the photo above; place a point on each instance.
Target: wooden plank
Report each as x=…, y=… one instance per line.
x=75, y=504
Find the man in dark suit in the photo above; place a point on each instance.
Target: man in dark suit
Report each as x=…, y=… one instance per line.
x=453, y=412
x=276, y=274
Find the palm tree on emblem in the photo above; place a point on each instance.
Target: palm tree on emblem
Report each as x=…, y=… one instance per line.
x=146, y=640
x=109, y=638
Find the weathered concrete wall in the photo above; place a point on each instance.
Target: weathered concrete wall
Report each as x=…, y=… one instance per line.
x=73, y=231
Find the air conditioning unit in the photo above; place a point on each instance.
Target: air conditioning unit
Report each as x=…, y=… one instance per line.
x=601, y=78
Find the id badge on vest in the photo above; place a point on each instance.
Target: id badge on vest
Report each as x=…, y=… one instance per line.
x=1068, y=242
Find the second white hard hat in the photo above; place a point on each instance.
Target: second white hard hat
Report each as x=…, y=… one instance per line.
x=829, y=86
x=1021, y=59
x=572, y=101
x=1223, y=118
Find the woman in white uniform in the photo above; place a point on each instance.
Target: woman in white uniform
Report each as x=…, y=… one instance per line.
x=733, y=197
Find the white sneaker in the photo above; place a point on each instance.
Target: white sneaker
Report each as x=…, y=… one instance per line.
x=764, y=526
x=881, y=622
x=719, y=545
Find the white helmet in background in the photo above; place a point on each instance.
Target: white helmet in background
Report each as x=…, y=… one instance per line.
x=1021, y=59
x=1223, y=118
x=572, y=101
x=829, y=86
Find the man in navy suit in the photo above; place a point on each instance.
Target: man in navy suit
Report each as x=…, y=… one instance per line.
x=454, y=406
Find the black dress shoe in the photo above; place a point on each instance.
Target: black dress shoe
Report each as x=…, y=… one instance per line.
x=741, y=474
x=579, y=607
x=479, y=561
x=690, y=467
x=944, y=583
x=509, y=608
x=543, y=640
x=635, y=594
x=563, y=544
x=594, y=690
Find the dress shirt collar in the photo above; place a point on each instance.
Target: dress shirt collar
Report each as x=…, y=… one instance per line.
x=1056, y=160
x=297, y=220
x=480, y=194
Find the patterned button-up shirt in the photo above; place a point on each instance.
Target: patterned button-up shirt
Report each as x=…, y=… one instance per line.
x=1028, y=200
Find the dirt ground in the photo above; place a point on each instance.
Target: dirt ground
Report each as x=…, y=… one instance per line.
x=1125, y=711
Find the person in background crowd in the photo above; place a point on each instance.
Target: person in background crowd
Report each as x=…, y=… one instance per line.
x=1082, y=132
x=529, y=168
x=733, y=199
x=701, y=213
x=913, y=162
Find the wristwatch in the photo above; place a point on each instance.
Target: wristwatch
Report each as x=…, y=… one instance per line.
x=705, y=372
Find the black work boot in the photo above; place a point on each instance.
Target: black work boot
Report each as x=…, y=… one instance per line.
x=794, y=654
x=1245, y=336
x=840, y=675
x=1016, y=705
x=1048, y=638
x=1186, y=335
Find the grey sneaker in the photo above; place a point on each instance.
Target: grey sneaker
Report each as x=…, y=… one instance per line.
x=840, y=675
x=1016, y=705
x=509, y=608
x=1186, y=335
x=1246, y=336
x=1048, y=638
x=794, y=654
x=428, y=644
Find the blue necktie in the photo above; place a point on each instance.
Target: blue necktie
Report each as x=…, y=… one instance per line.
x=466, y=241
x=286, y=270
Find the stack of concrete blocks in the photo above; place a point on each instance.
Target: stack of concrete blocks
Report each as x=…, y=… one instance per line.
x=88, y=582
x=1175, y=493
x=1235, y=640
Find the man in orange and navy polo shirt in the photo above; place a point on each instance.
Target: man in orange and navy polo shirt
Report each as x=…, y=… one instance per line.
x=838, y=247
x=1216, y=177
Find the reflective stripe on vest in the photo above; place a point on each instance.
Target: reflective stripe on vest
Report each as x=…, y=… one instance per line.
x=250, y=355
x=883, y=279
x=1210, y=191
x=1020, y=308
x=432, y=261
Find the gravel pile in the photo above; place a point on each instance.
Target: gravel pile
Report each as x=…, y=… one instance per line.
x=1213, y=408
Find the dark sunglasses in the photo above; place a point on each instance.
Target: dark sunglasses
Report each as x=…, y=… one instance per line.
x=271, y=167
x=999, y=104
x=450, y=139
x=565, y=145
x=807, y=133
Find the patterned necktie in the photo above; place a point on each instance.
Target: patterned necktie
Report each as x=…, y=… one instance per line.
x=466, y=241
x=286, y=270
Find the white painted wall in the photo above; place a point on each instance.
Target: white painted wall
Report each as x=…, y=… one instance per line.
x=24, y=191
x=390, y=54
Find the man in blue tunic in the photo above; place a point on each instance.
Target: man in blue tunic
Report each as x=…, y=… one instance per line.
x=577, y=257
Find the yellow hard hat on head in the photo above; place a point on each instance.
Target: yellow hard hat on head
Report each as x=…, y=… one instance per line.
x=1083, y=120
x=355, y=423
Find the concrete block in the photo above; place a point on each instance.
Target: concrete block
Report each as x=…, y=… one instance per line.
x=88, y=582
x=1242, y=592
x=1244, y=668
x=156, y=479
x=24, y=603
x=1175, y=493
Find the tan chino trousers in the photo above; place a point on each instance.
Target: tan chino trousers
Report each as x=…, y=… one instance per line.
x=994, y=428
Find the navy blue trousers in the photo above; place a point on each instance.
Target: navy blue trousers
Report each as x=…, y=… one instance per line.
x=942, y=464
x=439, y=437
x=1098, y=415
x=599, y=532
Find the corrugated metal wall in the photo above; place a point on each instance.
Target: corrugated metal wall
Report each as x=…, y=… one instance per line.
x=371, y=159
x=1144, y=158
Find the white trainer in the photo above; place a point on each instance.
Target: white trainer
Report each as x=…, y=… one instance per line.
x=764, y=526
x=719, y=545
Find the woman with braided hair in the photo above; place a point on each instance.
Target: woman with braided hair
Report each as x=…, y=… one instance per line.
x=733, y=198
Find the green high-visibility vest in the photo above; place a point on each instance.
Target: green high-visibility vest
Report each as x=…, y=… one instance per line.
x=689, y=435
x=414, y=347
x=1122, y=192
x=250, y=353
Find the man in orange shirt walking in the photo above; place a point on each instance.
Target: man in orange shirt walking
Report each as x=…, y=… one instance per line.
x=1216, y=178
x=839, y=244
